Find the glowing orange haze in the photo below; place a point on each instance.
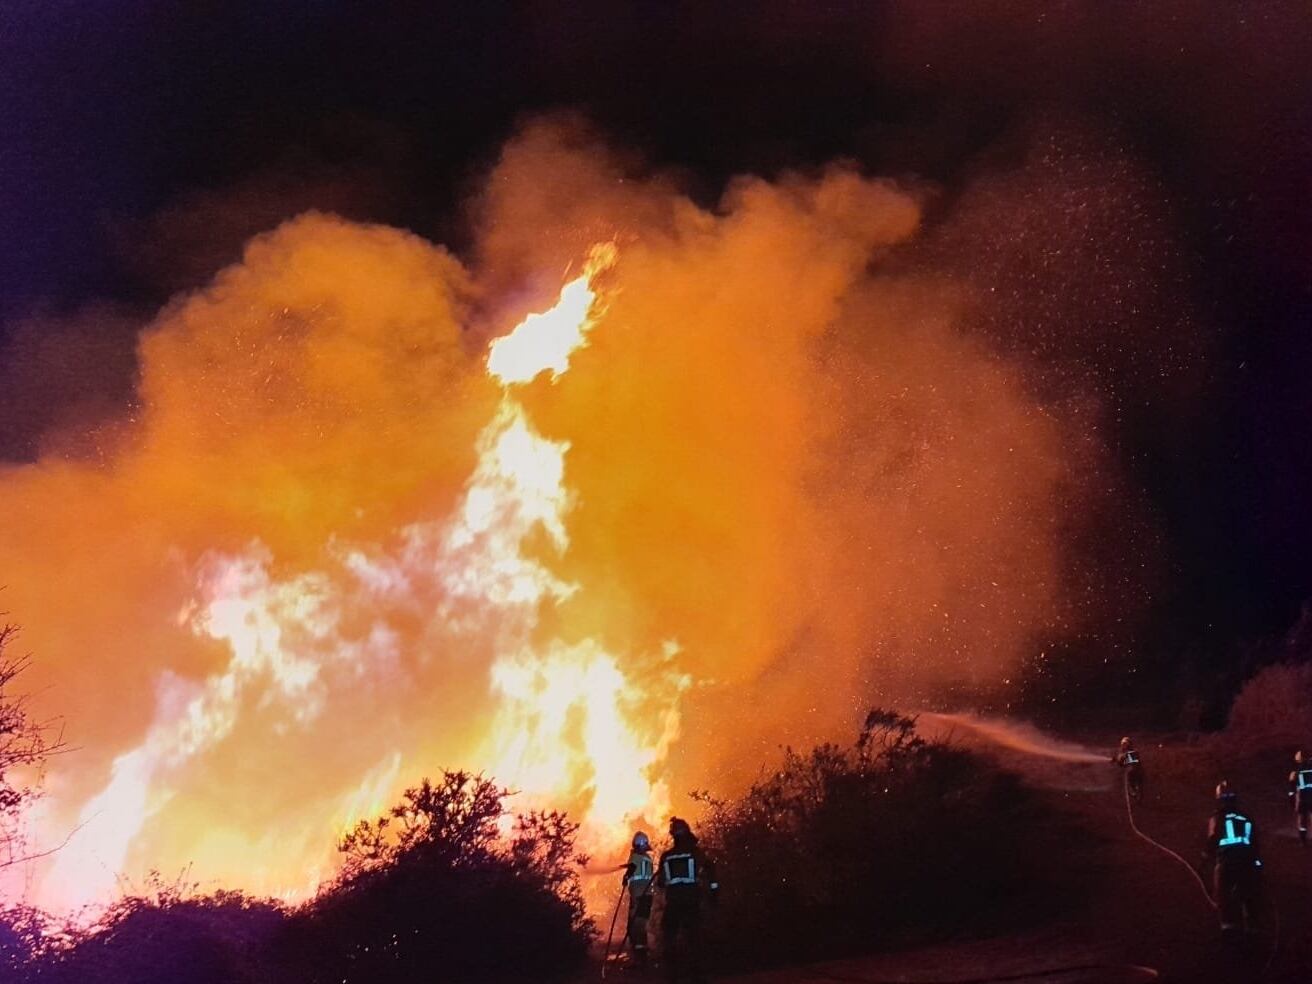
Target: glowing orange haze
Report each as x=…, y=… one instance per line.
x=730, y=487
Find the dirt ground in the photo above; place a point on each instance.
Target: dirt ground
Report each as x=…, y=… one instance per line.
x=1146, y=917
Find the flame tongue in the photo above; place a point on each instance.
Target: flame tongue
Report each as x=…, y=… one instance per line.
x=563, y=734
x=545, y=341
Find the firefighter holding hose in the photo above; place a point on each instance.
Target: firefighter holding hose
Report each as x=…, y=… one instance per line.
x=1236, y=863
x=639, y=876
x=1127, y=757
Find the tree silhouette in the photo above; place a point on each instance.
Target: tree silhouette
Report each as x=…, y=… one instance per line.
x=25, y=745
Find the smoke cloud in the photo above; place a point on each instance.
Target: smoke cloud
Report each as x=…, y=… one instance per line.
x=802, y=478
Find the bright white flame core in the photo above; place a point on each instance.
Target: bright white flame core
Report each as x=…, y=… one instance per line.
x=545, y=340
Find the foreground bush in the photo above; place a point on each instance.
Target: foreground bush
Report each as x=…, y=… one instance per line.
x=892, y=841
x=888, y=842
x=25, y=934
x=431, y=892
x=166, y=938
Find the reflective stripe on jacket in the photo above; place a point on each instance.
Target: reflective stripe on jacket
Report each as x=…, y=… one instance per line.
x=1236, y=831
x=679, y=869
x=641, y=868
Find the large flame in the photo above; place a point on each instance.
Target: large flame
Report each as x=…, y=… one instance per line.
x=728, y=486
x=563, y=729
x=563, y=732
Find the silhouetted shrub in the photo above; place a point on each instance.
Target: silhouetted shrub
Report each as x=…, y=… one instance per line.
x=431, y=892
x=167, y=938
x=25, y=934
x=1273, y=710
x=894, y=840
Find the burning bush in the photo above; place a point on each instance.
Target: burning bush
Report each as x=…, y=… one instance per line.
x=890, y=841
x=431, y=891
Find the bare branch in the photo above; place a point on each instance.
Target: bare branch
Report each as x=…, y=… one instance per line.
x=25, y=746
x=37, y=855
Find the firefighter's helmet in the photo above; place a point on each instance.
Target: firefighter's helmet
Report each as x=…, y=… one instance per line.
x=1125, y=743
x=1224, y=794
x=641, y=842
x=1298, y=757
x=678, y=826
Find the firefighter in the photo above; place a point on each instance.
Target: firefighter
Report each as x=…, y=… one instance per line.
x=1236, y=864
x=638, y=877
x=1128, y=759
x=1300, y=791
x=682, y=872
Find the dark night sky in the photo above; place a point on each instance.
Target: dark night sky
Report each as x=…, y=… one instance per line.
x=142, y=142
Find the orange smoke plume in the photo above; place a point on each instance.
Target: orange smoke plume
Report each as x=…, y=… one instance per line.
x=724, y=484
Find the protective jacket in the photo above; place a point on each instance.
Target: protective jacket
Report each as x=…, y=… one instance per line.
x=1300, y=787
x=1127, y=758
x=639, y=872
x=684, y=869
x=1232, y=836
x=1236, y=869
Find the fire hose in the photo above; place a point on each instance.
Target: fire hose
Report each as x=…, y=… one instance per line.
x=1132, y=972
x=1129, y=812
x=610, y=932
